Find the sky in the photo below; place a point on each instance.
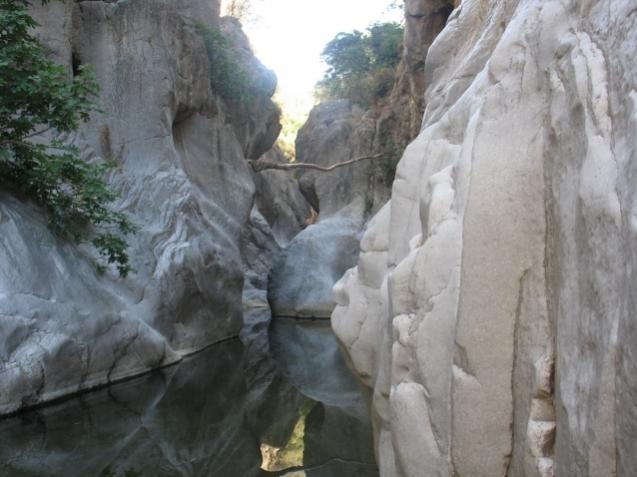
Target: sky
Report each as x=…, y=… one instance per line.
x=289, y=35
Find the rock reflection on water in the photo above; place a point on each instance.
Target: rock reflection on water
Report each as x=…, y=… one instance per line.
x=211, y=415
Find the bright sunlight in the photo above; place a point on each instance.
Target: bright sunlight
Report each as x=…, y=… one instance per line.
x=289, y=35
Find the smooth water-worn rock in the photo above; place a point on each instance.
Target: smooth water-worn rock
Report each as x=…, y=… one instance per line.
x=302, y=278
x=183, y=180
x=280, y=201
x=253, y=115
x=492, y=311
x=336, y=131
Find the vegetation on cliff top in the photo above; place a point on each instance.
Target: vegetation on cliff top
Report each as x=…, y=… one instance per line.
x=36, y=100
x=227, y=77
x=362, y=65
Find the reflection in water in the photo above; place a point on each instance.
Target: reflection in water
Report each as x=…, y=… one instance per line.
x=281, y=458
x=211, y=415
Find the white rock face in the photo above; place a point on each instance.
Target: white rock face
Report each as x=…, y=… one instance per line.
x=183, y=180
x=492, y=311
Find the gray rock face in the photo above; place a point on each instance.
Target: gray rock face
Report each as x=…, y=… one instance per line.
x=336, y=131
x=280, y=201
x=492, y=311
x=254, y=116
x=301, y=280
x=183, y=181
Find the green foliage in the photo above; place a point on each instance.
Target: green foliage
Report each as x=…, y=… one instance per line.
x=291, y=122
x=35, y=97
x=361, y=66
x=385, y=44
x=347, y=54
x=228, y=77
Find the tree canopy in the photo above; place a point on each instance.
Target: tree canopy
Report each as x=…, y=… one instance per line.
x=361, y=65
x=38, y=100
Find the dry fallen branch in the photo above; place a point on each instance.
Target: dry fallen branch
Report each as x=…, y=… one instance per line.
x=262, y=165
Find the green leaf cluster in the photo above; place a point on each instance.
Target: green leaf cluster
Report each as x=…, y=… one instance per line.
x=227, y=77
x=37, y=96
x=361, y=65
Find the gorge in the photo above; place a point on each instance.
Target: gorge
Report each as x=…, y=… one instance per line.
x=484, y=297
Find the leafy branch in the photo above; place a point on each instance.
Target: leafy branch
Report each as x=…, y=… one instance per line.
x=36, y=97
x=361, y=65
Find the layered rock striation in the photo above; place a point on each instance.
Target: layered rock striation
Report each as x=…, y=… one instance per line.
x=182, y=175
x=492, y=310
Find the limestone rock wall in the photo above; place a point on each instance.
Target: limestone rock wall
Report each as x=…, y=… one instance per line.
x=492, y=310
x=184, y=181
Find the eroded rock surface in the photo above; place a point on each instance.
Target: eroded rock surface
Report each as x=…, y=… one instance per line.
x=180, y=151
x=492, y=310
x=343, y=199
x=280, y=201
x=301, y=280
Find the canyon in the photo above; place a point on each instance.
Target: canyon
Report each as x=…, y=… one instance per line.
x=484, y=297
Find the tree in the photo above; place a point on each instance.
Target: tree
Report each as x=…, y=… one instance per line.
x=361, y=65
x=242, y=10
x=347, y=54
x=385, y=42
x=37, y=99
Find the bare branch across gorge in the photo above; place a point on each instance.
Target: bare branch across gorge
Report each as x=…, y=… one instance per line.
x=261, y=165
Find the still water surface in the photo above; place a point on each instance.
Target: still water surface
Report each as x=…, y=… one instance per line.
x=287, y=408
